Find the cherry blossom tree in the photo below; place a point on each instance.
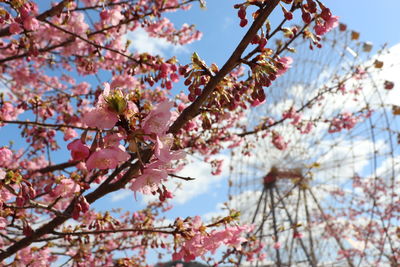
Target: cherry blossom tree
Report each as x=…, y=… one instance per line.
x=122, y=126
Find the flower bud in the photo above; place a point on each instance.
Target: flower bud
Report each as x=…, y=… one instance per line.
x=326, y=14
x=242, y=12
x=389, y=85
x=306, y=16
x=243, y=22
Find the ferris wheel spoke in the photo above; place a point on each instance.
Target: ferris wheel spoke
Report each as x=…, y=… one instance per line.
x=311, y=259
x=295, y=222
x=274, y=224
x=258, y=206
x=329, y=225
x=310, y=236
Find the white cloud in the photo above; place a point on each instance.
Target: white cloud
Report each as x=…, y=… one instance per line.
x=121, y=194
x=227, y=23
x=141, y=42
x=204, y=180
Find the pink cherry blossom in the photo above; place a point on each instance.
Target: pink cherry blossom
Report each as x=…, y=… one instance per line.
x=9, y=112
x=3, y=223
x=66, y=188
x=286, y=63
x=31, y=23
x=107, y=158
x=163, y=150
x=277, y=245
x=69, y=133
x=148, y=182
x=292, y=114
x=15, y=28
x=2, y=174
x=158, y=119
x=113, y=139
x=35, y=257
x=278, y=141
x=6, y=157
x=257, y=102
x=202, y=242
x=112, y=17
x=344, y=121
x=321, y=29
x=297, y=235
x=307, y=129
x=79, y=151
x=100, y=118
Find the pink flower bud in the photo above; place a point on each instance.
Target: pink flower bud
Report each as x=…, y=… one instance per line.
x=242, y=12
x=15, y=28
x=277, y=245
x=84, y=204
x=326, y=14
x=243, y=22
x=306, y=16
x=389, y=85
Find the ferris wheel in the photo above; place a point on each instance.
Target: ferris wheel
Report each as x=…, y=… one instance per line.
x=323, y=198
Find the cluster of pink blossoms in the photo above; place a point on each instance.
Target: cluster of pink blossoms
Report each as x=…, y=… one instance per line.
x=344, y=121
x=292, y=114
x=199, y=242
x=108, y=152
x=8, y=112
x=326, y=23
x=278, y=141
x=6, y=157
x=27, y=19
x=155, y=125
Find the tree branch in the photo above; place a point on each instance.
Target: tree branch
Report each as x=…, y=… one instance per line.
x=49, y=125
x=115, y=231
x=57, y=167
x=181, y=177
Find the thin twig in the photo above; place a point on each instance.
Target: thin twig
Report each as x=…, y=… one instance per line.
x=181, y=177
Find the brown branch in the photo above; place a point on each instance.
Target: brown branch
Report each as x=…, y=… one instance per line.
x=57, y=167
x=41, y=50
x=292, y=39
x=116, y=231
x=33, y=123
x=192, y=111
x=181, y=177
x=34, y=205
